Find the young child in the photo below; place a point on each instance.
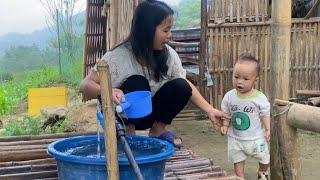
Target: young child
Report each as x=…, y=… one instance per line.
x=248, y=129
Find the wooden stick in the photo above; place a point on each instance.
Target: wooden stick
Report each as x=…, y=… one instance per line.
x=109, y=121
x=47, y=136
x=313, y=10
x=308, y=93
x=23, y=155
x=27, y=168
x=24, y=147
x=28, y=162
x=32, y=175
x=188, y=164
x=32, y=142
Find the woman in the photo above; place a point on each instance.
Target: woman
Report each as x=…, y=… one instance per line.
x=144, y=61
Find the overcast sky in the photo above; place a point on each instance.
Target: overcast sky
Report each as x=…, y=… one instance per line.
x=26, y=16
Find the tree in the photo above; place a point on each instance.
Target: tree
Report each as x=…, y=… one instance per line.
x=22, y=58
x=61, y=14
x=187, y=14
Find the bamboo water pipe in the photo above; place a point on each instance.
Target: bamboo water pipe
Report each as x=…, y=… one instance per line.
x=109, y=121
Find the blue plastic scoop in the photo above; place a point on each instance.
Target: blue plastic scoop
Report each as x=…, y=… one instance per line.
x=137, y=104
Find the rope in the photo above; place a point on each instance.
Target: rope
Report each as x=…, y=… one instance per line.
x=287, y=107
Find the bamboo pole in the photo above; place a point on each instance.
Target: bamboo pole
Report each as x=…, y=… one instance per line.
x=109, y=121
x=46, y=136
x=285, y=162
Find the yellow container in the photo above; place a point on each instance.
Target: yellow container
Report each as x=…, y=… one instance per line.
x=39, y=98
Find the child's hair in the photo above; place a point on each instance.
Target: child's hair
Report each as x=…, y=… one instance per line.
x=249, y=58
x=147, y=16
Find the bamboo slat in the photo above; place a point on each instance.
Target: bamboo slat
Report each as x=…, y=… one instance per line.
x=95, y=34
x=238, y=11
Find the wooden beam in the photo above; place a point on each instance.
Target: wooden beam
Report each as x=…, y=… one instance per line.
x=109, y=121
x=285, y=161
x=298, y=118
x=313, y=93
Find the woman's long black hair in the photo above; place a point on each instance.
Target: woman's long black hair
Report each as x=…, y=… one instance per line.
x=147, y=16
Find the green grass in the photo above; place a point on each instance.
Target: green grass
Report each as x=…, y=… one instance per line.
x=30, y=125
x=15, y=91
x=23, y=126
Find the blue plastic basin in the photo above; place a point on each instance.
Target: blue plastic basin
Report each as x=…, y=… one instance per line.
x=77, y=158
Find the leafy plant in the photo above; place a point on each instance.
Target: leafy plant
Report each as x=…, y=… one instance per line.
x=24, y=126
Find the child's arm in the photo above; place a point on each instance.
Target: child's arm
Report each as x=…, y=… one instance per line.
x=266, y=123
x=225, y=108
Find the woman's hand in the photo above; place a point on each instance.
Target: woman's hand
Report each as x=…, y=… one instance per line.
x=118, y=96
x=216, y=116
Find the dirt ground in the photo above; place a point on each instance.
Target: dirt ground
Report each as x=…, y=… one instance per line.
x=200, y=137
x=197, y=135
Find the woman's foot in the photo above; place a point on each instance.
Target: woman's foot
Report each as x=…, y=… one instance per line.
x=158, y=130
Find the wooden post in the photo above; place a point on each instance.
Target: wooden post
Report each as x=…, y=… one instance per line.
x=109, y=121
x=113, y=26
x=285, y=162
x=203, y=47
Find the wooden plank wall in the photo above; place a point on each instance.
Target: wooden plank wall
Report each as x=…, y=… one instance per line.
x=227, y=41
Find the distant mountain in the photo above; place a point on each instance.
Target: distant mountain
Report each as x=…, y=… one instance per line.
x=39, y=38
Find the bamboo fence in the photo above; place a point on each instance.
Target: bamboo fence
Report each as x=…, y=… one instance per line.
x=224, y=42
x=95, y=34
x=227, y=41
x=238, y=11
